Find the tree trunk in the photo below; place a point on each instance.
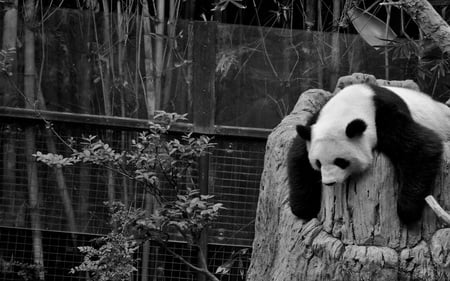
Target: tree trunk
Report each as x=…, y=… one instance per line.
x=429, y=21
x=357, y=235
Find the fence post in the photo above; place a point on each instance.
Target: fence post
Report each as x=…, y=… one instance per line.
x=203, y=72
x=204, y=102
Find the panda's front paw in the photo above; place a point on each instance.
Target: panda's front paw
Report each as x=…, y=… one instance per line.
x=305, y=211
x=409, y=211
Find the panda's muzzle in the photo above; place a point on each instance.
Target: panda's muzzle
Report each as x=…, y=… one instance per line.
x=332, y=174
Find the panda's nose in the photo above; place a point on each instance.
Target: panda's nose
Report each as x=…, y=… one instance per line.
x=329, y=183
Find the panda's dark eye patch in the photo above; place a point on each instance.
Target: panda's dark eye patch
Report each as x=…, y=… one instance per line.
x=355, y=128
x=318, y=164
x=341, y=163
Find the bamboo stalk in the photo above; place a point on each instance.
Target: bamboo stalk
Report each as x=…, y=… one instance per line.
x=335, y=42
x=151, y=104
x=63, y=190
x=105, y=75
x=159, y=50
x=171, y=33
x=10, y=193
x=137, y=74
x=310, y=19
x=9, y=40
x=386, y=49
x=105, y=71
x=122, y=14
x=85, y=93
x=33, y=199
x=9, y=148
x=30, y=141
x=149, y=90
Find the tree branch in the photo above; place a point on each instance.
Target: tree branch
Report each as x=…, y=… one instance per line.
x=429, y=21
x=186, y=262
x=437, y=209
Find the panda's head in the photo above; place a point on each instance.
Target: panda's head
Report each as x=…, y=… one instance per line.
x=338, y=154
x=342, y=141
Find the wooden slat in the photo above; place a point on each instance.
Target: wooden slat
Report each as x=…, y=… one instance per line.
x=203, y=71
x=21, y=115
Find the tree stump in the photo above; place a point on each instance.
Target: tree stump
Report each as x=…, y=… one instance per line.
x=357, y=235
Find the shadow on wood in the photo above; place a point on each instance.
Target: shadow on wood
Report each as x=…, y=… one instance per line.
x=357, y=235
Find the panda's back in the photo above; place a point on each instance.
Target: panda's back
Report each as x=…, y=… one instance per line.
x=357, y=101
x=426, y=111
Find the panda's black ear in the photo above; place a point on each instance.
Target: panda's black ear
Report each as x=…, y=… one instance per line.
x=304, y=132
x=355, y=128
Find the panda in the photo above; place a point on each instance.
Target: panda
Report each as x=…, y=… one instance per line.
x=407, y=126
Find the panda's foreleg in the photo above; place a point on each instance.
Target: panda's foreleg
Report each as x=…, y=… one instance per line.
x=304, y=182
x=416, y=153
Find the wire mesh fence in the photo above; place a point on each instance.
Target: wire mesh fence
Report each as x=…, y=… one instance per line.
x=234, y=169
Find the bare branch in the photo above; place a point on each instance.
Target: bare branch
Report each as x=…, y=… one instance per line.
x=437, y=209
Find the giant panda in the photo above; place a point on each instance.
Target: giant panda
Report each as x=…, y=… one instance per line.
x=407, y=126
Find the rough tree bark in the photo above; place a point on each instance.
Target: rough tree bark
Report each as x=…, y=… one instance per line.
x=357, y=235
x=429, y=21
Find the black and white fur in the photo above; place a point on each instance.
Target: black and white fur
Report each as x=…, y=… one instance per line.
x=406, y=126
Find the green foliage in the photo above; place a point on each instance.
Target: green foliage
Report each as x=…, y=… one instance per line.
x=429, y=63
x=25, y=271
x=115, y=259
x=188, y=215
x=151, y=156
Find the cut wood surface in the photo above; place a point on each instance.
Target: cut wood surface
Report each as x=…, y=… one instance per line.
x=357, y=235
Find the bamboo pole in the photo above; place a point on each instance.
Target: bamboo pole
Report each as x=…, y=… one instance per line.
x=85, y=94
x=105, y=71
x=122, y=15
x=137, y=74
x=171, y=33
x=30, y=141
x=9, y=148
x=159, y=50
x=335, y=42
x=152, y=98
x=105, y=76
x=149, y=89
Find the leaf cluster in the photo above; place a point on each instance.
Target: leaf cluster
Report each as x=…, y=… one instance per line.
x=25, y=271
x=113, y=260
x=152, y=154
x=188, y=216
x=432, y=63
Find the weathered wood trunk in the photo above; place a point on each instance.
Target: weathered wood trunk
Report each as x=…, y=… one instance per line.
x=357, y=235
